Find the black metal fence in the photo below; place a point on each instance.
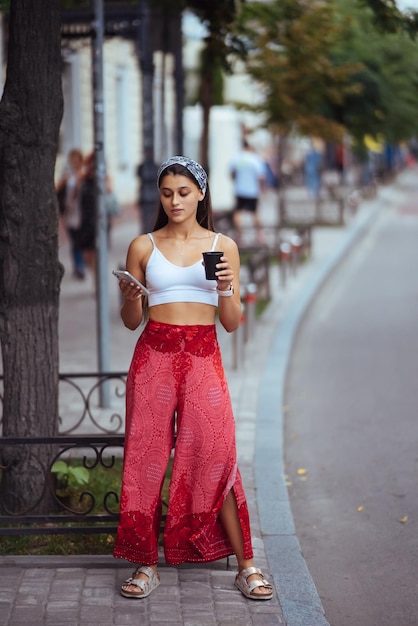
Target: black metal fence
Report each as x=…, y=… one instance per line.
x=77, y=474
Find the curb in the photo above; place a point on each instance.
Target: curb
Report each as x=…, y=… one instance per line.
x=296, y=589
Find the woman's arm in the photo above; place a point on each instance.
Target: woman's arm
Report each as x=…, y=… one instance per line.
x=132, y=307
x=229, y=306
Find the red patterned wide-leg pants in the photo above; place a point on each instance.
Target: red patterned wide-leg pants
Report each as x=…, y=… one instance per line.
x=178, y=368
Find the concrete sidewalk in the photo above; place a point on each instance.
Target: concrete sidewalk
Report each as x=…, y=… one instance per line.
x=84, y=591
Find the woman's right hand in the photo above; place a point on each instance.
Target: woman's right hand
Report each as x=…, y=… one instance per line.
x=130, y=291
x=138, y=253
x=131, y=311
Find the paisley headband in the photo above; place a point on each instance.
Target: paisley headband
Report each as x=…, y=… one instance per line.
x=194, y=168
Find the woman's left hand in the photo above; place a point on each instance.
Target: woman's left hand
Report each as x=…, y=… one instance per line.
x=224, y=274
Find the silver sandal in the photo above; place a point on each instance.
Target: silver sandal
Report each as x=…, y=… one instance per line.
x=145, y=587
x=247, y=588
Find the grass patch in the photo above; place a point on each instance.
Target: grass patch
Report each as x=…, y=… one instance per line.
x=58, y=545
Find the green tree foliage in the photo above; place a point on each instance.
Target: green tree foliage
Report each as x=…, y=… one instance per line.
x=326, y=68
x=388, y=18
x=387, y=100
x=290, y=45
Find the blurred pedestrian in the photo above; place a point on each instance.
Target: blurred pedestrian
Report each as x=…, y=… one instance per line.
x=87, y=193
x=69, y=207
x=249, y=174
x=271, y=179
x=148, y=193
x=87, y=197
x=313, y=165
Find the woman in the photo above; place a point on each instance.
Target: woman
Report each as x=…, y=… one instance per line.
x=87, y=197
x=177, y=369
x=87, y=191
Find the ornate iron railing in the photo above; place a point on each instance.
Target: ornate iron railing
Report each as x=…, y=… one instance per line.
x=73, y=506
x=77, y=473
x=80, y=409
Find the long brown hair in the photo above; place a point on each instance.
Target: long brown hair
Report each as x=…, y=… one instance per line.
x=204, y=213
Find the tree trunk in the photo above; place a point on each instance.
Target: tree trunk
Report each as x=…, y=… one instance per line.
x=30, y=272
x=148, y=169
x=206, y=99
x=206, y=106
x=179, y=83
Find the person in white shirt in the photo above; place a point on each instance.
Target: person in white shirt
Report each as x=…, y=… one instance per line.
x=249, y=174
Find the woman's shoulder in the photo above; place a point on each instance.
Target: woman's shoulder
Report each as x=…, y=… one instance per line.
x=140, y=246
x=140, y=242
x=140, y=249
x=227, y=242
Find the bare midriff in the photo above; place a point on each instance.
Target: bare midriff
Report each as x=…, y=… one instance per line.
x=183, y=313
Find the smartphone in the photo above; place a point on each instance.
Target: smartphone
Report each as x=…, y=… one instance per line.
x=124, y=275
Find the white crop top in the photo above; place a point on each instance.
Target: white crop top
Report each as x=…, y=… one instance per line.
x=171, y=283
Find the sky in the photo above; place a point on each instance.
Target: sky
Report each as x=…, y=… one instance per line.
x=407, y=4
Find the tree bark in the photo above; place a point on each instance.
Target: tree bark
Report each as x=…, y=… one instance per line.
x=30, y=272
x=206, y=89
x=206, y=107
x=148, y=169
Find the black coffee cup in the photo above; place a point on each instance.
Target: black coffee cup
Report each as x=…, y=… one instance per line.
x=211, y=259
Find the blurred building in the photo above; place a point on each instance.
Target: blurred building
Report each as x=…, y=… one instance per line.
x=138, y=42
x=123, y=94
x=175, y=45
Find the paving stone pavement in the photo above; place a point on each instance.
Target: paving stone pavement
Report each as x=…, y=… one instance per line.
x=84, y=590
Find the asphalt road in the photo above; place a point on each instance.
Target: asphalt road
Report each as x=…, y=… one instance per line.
x=351, y=428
